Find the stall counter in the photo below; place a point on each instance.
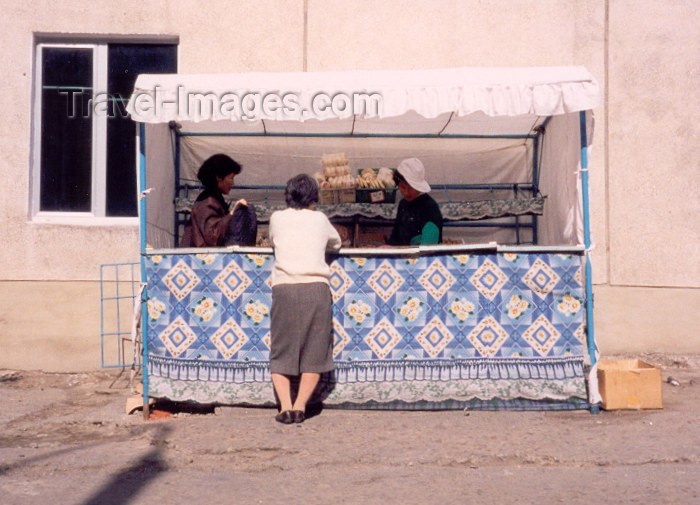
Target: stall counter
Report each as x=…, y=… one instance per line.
x=448, y=326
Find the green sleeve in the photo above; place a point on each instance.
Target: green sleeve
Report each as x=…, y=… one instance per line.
x=429, y=235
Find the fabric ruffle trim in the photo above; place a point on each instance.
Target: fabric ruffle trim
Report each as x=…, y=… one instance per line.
x=383, y=392
x=378, y=371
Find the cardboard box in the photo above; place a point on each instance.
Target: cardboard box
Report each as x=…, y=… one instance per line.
x=629, y=384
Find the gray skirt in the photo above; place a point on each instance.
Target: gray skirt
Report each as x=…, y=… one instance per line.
x=301, y=329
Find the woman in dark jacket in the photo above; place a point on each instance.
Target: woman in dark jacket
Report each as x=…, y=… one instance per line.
x=418, y=218
x=211, y=223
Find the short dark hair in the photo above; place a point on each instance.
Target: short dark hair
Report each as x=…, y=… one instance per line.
x=219, y=165
x=301, y=191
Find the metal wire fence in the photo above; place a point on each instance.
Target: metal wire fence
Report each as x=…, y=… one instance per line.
x=119, y=290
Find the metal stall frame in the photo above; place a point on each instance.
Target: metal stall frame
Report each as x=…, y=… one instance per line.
x=532, y=186
x=590, y=330
x=537, y=139
x=144, y=280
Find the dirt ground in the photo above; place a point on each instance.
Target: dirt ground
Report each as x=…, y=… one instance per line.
x=65, y=439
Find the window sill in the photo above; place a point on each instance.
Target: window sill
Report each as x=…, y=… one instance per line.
x=83, y=219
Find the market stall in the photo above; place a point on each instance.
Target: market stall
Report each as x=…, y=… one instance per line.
x=478, y=323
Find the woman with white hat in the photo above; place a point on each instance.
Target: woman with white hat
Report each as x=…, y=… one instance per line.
x=418, y=219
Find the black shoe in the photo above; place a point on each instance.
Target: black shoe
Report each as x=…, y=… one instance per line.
x=298, y=416
x=285, y=417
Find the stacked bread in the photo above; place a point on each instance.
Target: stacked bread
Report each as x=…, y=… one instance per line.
x=336, y=172
x=370, y=178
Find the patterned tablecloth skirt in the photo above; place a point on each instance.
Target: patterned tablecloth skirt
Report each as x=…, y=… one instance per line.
x=443, y=330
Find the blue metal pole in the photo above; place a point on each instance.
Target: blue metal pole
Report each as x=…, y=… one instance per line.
x=119, y=326
x=142, y=229
x=177, y=184
x=536, y=175
x=524, y=186
x=590, y=332
x=535, y=165
x=102, y=316
x=357, y=135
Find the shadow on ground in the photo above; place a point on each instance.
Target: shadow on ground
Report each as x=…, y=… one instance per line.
x=131, y=480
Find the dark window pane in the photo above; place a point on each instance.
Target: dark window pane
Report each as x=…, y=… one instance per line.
x=126, y=62
x=121, y=167
x=67, y=66
x=66, y=130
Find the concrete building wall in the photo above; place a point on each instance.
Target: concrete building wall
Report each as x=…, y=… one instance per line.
x=644, y=171
x=223, y=37
x=654, y=187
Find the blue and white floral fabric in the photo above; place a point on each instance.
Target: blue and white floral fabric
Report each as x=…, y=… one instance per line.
x=421, y=328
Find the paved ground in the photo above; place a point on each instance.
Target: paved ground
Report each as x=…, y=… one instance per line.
x=64, y=438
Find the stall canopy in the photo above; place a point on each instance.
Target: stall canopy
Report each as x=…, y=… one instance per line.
x=423, y=113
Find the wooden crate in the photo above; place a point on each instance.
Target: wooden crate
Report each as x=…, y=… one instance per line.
x=364, y=195
x=336, y=196
x=375, y=195
x=326, y=197
x=629, y=384
x=346, y=195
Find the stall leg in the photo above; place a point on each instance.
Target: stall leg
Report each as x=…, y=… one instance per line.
x=356, y=230
x=590, y=330
x=144, y=296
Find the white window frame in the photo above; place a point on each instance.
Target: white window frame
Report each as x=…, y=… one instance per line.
x=98, y=186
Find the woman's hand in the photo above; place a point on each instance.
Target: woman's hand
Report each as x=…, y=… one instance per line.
x=242, y=201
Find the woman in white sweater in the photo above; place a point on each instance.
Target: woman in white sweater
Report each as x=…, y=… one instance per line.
x=301, y=329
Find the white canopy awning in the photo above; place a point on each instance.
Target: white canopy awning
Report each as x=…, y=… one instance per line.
x=447, y=101
x=423, y=113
